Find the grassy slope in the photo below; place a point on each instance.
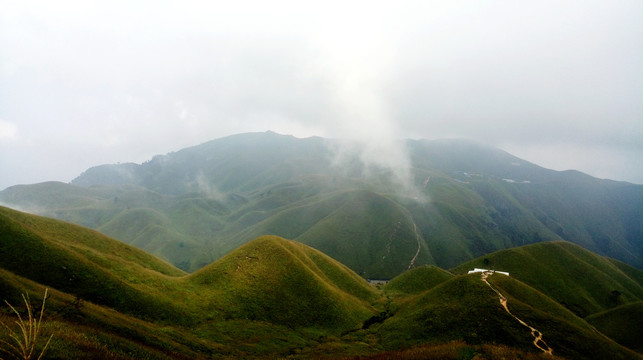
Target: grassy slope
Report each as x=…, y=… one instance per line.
x=84, y=330
x=370, y=233
x=577, y=278
x=464, y=308
x=86, y=263
x=97, y=268
x=284, y=282
x=460, y=308
x=562, y=329
x=267, y=296
x=418, y=280
x=623, y=324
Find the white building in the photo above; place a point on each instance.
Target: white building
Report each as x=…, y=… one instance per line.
x=476, y=270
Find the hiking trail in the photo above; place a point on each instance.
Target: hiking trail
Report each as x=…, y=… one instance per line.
x=417, y=238
x=538, y=336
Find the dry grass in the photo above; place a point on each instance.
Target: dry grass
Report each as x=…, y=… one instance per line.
x=458, y=350
x=22, y=343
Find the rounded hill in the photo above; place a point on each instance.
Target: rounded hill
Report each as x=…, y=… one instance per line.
x=285, y=282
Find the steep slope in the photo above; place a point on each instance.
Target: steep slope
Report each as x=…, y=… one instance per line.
x=622, y=323
x=464, y=307
x=81, y=329
x=85, y=263
x=582, y=281
x=270, y=296
x=284, y=282
x=269, y=279
x=370, y=233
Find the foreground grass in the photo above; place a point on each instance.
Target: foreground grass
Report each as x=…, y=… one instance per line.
x=457, y=350
x=25, y=341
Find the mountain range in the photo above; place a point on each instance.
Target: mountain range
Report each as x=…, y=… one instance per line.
x=445, y=203
x=277, y=298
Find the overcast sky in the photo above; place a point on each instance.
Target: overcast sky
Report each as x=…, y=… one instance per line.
x=558, y=83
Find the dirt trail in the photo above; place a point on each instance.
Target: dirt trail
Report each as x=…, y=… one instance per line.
x=417, y=238
x=538, y=336
x=426, y=182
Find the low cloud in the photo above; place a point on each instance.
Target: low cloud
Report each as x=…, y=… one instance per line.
x=78, y=91
x=8, y=130
x=205, y=187
x=385, y=160
x=361, y=118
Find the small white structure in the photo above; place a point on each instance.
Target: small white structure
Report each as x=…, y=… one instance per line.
x=476, y=270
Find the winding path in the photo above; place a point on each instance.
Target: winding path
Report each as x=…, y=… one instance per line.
x=417, y=238
x=538, y=336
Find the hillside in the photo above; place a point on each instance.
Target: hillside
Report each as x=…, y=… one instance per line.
x=464, y=308
x=561, y=289
x=287, y=290
x=582, y=281
x=622, y=323
x=462, y=200
x=86, y=264
x=287, y=283
x=274, y=298
x=418, y=280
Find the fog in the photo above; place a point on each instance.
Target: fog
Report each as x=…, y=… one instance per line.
x=558, y=83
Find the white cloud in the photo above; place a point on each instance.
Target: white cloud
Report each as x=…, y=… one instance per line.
x=8, y=130
x=109, y=81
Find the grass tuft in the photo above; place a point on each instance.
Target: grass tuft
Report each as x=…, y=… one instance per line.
x=25, y=340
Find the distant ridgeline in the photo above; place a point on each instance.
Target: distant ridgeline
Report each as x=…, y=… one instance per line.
x=459, y=201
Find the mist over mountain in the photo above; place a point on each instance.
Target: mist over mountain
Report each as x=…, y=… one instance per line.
x=446, y=202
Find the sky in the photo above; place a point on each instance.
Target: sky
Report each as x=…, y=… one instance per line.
x=83, y=83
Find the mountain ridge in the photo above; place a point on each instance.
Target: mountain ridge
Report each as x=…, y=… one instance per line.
x=193, y=206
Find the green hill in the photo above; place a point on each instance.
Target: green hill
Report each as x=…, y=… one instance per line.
x=103, y=270
x=465, y=308
x=461, y=201
x=271, y=295
x=418, y=280
x=284, y=282
x=582, y=281
x=276, y=298
x=622, y=323
x=371, y=234
x=85, y=263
